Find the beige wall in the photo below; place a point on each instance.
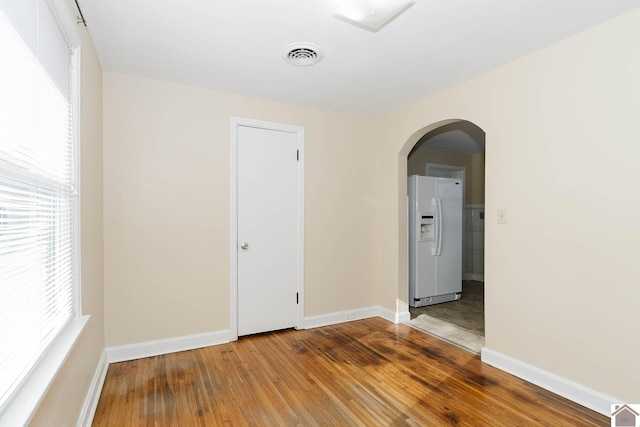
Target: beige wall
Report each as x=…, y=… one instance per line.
x=166, y=193
x=62, y=404
x=560, y=288
x=473, y=163
x=561, y=150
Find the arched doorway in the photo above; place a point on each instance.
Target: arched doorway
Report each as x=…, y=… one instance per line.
x=454, y=149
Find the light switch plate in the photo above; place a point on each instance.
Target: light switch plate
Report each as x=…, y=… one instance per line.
x=502, y=216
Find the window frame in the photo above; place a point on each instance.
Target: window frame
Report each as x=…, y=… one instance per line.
x=25, y=400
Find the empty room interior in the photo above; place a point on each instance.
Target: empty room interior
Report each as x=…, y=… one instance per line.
x=218, y=203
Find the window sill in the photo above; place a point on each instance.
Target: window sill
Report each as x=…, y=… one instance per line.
x=22, y=406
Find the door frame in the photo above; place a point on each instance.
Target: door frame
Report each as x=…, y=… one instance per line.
x=236, y=122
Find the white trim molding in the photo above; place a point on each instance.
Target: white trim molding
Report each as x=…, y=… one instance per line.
x=573, y=391
x=90, y=405
x=190, y=342
x=23, y=404
x=126, y=352
x=339, y=317
x=356, y=314
x=393, y=316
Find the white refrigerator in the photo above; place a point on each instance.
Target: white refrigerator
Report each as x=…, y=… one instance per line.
x=435, y=240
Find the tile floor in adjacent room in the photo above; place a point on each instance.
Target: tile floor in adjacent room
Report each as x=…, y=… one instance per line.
x=460, y=322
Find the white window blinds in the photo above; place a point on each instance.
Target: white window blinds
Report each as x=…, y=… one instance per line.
x=38, y=202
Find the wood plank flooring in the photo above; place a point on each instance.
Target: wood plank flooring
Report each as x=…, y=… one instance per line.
x=364, y=373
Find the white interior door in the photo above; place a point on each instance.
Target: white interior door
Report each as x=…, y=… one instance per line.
x=268, y=229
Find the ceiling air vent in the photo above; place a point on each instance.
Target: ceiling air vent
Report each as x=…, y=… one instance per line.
x=302, y=54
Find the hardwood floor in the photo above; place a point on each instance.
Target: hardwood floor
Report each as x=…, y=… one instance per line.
x=367, y=373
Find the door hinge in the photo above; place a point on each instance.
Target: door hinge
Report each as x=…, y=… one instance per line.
x=297, y=298
x=298, y=155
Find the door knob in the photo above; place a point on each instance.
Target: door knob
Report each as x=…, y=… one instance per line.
x=244, y=246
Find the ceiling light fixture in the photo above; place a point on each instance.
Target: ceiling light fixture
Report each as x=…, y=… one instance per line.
x=371, y=15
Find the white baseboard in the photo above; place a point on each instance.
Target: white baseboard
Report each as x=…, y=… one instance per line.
x=339, y=317
x=93, y=394
x=164, y=346
x=575, y=392
x=171, y=345
x=357, y=314
x=393, y=316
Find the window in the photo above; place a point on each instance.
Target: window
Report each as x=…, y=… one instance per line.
x=38, y=188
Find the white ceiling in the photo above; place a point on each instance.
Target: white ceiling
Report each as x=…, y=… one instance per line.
x=235, y=45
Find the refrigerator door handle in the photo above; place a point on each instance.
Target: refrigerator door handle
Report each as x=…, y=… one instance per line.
x=438, y=242
x=434, y=244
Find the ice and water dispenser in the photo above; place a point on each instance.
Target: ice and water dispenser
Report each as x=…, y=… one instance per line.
x=426, y=228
